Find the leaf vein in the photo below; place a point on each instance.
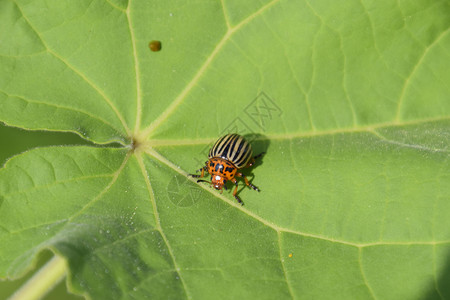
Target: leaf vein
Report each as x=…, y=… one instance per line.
x=405, y=145
x=369, y=288
x=58, y=106
x=136, y=71
x=85, y=78
x=158, y=222
x=294, y=135
x=115, y=6
x=36, y=226
x=99, y=195
x=47, y=186
x=227, y=21
x=408, y=80
x=180, y=98
x=288, y=284
x=168, y=163
x=120, y=240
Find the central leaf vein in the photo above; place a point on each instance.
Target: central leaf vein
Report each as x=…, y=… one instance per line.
x=158, y=222
x=180, y=98
x=277, y=228
x=136, y=70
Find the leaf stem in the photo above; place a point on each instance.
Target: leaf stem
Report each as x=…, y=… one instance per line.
x=43, y=281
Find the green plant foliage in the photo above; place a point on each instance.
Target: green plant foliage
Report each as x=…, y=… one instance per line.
x=349, y=99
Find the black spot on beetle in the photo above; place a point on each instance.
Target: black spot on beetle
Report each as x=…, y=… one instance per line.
x=219, y=168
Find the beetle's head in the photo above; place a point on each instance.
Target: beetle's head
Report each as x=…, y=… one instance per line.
x=217, y=182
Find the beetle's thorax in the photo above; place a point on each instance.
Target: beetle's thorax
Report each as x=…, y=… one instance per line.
x=221, y=171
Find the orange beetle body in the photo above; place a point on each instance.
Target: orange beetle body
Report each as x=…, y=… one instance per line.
x=228, y=155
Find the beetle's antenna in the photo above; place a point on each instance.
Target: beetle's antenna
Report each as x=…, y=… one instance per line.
x=201, y=180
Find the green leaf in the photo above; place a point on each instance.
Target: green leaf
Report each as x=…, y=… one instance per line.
x=349, y=100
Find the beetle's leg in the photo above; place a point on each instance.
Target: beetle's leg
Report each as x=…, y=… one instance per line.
x=259, y=155
x=246, y=181
x=252, y=160
x=201, y=175
x=235, y=191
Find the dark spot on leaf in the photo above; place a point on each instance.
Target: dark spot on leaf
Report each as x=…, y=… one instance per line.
x=155, y=46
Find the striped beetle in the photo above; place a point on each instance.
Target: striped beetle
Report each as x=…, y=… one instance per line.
x=228, y=155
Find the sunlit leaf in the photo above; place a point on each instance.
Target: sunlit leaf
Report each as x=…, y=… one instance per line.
x=349, y=100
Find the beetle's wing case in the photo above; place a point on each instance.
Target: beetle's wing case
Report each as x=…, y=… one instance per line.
x=218, y=149
x=233, y=148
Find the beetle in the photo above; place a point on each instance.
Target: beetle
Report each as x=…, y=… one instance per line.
x=229, y=154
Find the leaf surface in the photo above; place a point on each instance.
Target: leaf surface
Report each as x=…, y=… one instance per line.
x=349, y=101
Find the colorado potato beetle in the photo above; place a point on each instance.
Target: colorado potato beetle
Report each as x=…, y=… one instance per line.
x=228, y=155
